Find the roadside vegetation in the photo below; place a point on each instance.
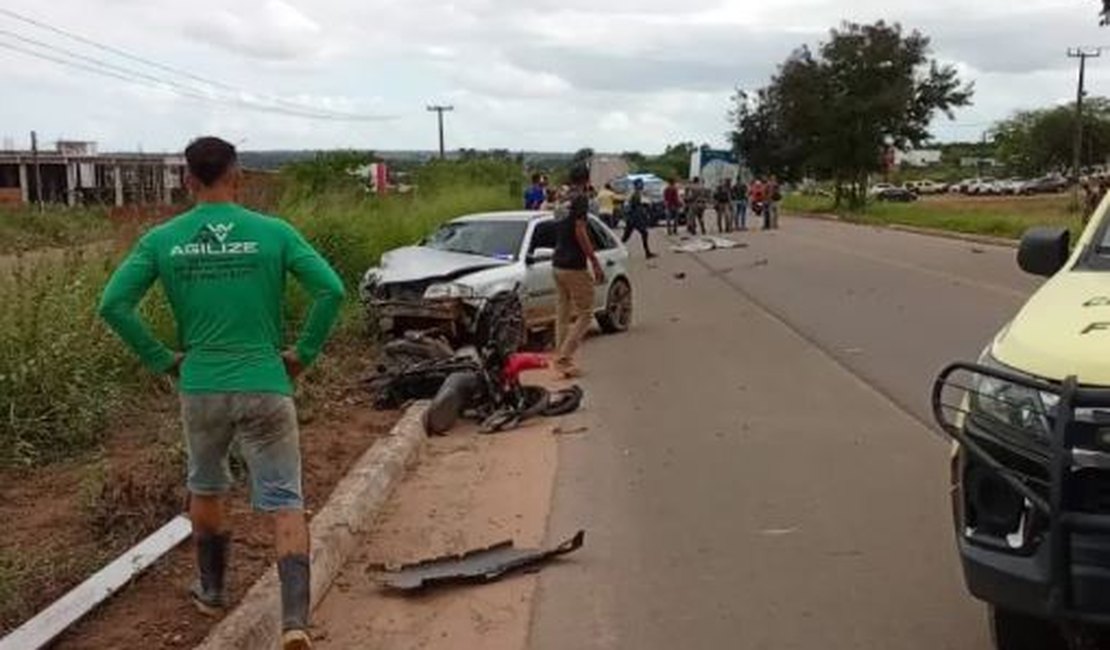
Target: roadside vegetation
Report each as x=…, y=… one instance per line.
x=1007, y=217
x=63, y=375
x=24, y=228
x=79, y=410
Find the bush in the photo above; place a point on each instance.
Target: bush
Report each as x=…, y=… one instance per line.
x=61, y=370
x=26, y=227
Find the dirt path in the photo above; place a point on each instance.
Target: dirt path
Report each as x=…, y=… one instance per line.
x=468, y=491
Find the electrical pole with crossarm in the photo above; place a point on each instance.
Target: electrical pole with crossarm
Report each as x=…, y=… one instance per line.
x=1082, y=54
x=440, y=110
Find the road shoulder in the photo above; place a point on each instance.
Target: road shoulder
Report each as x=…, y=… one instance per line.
x=468, y=491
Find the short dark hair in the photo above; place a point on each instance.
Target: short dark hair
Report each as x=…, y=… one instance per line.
x=537, y=178
x=580, y=175
x=209, y=158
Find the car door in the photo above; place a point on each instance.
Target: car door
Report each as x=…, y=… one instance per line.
x=611, y=255
x=539, y=276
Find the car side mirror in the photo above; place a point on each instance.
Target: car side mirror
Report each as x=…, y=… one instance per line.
x=541, y=255
x=1044, y=251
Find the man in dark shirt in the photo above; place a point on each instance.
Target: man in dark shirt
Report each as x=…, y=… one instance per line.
x=636, y=218
x=573, y=261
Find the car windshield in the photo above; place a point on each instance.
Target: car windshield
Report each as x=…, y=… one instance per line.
x=497, y=239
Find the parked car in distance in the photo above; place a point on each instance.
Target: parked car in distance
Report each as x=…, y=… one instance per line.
x=962, y=186
x=1050, y=184
x=895, y=195
x=1011, y=186
x=443, y=283
x=985, y=186
x=926, y=186
x=878, y=188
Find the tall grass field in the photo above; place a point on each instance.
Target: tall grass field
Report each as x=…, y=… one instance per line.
x=63, y=374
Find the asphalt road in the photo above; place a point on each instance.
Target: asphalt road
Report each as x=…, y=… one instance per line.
x=759, y=472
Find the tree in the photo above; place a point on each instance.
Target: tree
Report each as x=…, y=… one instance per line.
x=833, y=112
x=582, y=157
x=1033, y=142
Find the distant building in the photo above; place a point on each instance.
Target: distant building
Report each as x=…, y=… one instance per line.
x=972, y=161
x=74, y=173
x=918, y=158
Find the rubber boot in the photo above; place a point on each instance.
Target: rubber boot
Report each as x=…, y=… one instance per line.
x=208, y=592
x=293, y=570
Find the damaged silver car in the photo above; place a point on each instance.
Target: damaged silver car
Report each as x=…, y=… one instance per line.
x=444, y=283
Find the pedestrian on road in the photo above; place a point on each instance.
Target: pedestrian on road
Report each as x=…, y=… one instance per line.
x=774, y=197
x=740, y=204
x=636, y=217
x=577, y=272
x=672, y=203
x=534, y=196
x=223, y=270
x=757, y=199
x=607, y=205
x=696, y=204
x=722, y=205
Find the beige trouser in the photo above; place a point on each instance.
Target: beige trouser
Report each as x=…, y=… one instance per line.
x=576, y=303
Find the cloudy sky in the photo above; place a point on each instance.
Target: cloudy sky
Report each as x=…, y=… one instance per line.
x=523, y=74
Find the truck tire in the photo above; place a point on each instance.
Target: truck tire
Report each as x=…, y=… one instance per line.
x=617, y=316
x=1012, y=630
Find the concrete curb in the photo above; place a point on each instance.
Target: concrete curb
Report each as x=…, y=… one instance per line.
x=255, y=624
x=917, y=230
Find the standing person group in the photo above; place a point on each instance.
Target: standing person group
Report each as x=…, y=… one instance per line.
x=223, y=270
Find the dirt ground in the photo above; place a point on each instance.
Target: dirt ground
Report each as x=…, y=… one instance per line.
x=468, y=491
x=48, y=514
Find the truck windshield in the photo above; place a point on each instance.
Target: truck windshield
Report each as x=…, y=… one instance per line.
x=497, y=239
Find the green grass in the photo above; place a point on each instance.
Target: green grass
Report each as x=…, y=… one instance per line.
x=24, y=228
x=64, y=375
x=43, y=571
x=1006, y=217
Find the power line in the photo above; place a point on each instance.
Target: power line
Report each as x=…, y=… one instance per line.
x=107, y=70
x=301, y=110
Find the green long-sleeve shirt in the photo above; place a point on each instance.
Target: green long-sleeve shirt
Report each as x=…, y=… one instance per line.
x=223, y=269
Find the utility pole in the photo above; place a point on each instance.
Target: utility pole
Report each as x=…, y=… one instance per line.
x=1077, y=155
x=440, y=110
x=38, y=168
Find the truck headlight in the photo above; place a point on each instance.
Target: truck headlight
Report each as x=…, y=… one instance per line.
x=448, y=290
x=1013, y=405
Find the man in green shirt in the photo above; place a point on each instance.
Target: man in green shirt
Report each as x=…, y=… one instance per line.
x=223, y=269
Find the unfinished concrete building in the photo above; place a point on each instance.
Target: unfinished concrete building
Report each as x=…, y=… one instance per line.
x=74, y=173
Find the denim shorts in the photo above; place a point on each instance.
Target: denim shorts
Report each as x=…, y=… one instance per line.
x=265, y=427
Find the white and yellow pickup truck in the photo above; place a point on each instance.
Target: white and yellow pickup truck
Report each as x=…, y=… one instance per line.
x=1031, y=454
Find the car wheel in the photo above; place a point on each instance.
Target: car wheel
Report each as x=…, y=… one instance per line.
x=617, y=316
x=1011, y=630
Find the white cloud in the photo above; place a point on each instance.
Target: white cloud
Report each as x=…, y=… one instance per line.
x=272, y=29
x=540, y=74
